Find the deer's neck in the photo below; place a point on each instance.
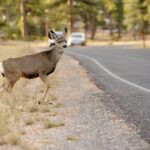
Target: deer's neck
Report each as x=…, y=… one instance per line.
x=58, y=52
x=55, y=54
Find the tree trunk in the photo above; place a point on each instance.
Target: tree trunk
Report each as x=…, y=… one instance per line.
x=46, y=26
x=70, y=18
x=134, y=35
x=143, y=35
x=111, y=26
x=119, y=31
x=7, y=13
x=93, y=29
x=24, y=32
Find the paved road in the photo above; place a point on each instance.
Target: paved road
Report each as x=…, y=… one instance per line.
x=124, y=73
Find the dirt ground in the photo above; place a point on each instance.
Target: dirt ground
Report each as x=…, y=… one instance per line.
x=75, y=119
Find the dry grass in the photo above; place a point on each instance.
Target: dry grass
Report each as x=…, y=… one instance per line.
x=33, y=109
x=72, y=138
x=13, y=50
x=29, y=107
x=2, y=141
x=12, y=139
x=44, y=108
x=26, y=146
x=54, y=113
x=15, y=139
x=3, y=122
x=51, y=124
x=58, y=105
x=29, y=121
x=53, y=97
x=22, y=132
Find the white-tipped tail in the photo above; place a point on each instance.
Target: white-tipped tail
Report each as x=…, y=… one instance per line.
x=1, y=68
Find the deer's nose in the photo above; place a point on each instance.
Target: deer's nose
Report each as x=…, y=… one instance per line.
x=64, y=46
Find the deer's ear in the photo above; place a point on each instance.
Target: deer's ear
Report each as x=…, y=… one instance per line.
x=52, y=34
x=65, y=31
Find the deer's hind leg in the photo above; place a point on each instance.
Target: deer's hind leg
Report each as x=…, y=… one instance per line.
x=10, y=84
x=3, y=87
x=6, y=86
x=44, y=78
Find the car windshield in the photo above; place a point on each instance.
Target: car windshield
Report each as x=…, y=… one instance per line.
x=59, y=33
x=77, y=35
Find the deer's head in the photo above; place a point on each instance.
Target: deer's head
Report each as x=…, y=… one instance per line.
x=59, y=41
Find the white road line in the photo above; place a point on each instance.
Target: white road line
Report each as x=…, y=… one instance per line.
x=110, y=73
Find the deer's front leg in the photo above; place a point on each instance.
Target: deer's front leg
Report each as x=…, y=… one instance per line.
x=44, y=78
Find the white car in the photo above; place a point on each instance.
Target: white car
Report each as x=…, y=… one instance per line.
x=58, y=33
x=77, y=38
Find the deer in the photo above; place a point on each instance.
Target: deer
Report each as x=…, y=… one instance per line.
x=36, y=65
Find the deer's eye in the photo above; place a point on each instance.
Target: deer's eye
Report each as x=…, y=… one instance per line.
x=52, y=44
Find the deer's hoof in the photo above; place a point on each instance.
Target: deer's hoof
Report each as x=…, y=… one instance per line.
x=39, y=102
x=50, y=103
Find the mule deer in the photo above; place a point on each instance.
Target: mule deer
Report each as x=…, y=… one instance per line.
x=37, y=65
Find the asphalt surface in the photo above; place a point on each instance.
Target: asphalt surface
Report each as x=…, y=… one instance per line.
x=124, y=73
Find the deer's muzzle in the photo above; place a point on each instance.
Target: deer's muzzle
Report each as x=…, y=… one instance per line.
x=64, y=46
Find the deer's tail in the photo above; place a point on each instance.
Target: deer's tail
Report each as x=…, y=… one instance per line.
x=1, y=69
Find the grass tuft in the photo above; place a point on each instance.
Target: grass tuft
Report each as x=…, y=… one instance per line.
x=2, y=141
x=29, y=122
x=72, y=138
x=54, y=113
x=3, y=122
x=22, y=132
x=44, y=109
x=15, y=139
x=58, y=105
x=53, y=97
x=26, y=146
x=50, y=124
x=33, y=109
